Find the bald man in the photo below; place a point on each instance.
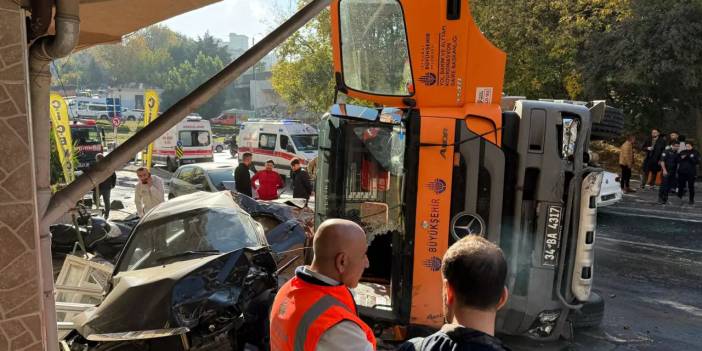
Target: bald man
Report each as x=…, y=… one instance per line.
x=315, y=310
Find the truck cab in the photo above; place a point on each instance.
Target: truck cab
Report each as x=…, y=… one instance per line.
x=442, y=160
x=88, y=139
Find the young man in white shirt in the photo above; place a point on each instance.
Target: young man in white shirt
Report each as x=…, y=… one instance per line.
x=149, y=191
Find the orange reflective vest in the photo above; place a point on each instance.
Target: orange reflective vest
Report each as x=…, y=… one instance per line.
x=302, y=312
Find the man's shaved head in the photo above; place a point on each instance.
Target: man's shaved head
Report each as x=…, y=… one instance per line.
x=340, y=251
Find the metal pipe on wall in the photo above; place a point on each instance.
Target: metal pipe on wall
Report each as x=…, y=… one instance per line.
x=41, y=53
x=65, y=199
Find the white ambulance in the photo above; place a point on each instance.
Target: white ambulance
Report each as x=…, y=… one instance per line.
x=278, y=140
x=194, y=135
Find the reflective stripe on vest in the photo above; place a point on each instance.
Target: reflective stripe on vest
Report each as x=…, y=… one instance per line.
x=312, y=314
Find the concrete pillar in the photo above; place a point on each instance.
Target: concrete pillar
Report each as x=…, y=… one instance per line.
x=21, y=325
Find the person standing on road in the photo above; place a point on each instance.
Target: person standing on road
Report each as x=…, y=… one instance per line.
x=474, y=272
x=669, y=165
x=315, y=309
x=149, y=191
x=653, y=148
x=269, y=182
x=242, y=175
x=301, y=182
x=626, y=162
x=104, y=189
x=687, y=171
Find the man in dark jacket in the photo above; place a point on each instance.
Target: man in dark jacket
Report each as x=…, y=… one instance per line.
x=301, y=182
x=689, y=159
x=242, y=177
x=474, y=272
x=104, y=189
x=669, y=165
x=654, y=149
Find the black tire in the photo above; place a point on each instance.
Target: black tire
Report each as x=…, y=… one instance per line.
x=131, y=118
x=591, y=314
x=611, y=125
x=171, y=196
x=103, y=117
x=219, y=148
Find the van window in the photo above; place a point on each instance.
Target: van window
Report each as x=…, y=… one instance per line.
x=97, y=107
x=306, y=142
x=193, y=138
x=267, y=141
x=284, y=142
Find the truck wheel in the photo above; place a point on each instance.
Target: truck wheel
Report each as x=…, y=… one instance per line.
x=219, y=148
x=611, y=125
x=171, y=164
x=591, y=314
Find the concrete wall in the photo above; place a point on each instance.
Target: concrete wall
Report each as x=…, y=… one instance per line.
x=20, y=306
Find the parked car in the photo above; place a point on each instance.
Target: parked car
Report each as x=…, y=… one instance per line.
x=226, y=119
x=198, y=273
x=218, y=143
x=610, y=191
x=133, y=114
x=208, y=176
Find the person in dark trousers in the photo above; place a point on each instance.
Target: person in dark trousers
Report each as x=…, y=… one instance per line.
x=269, y=182
x=242, y=176
x=104, y=189
x=669, y=165
x=474, y=272
x=687, y=171
x=626, y=162
x=673, y=137
x=301, y=182
x=653, y=148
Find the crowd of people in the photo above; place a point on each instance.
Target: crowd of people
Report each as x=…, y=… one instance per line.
x=267, y=182
x=673, y=158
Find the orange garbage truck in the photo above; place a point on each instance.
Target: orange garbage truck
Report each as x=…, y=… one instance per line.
x=438, y=159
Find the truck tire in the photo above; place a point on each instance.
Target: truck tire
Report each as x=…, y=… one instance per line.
x=611, y=125
x=591, y=314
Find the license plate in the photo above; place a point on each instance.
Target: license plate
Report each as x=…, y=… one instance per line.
x=552, y=236
x=84, y=165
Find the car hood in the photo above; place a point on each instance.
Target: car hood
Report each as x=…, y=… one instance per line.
x=158, y=297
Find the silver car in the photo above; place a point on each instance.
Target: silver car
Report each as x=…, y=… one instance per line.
x=208, y=176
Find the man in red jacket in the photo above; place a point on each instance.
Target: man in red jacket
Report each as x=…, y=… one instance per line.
x=269, y=182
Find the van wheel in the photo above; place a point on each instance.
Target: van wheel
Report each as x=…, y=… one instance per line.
x=104, y=117
x=591, y=314
x=219, y=148
x=171, y=164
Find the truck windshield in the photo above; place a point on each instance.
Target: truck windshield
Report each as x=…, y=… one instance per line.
x=361, y=174
x=374, y=53
x=188, y=235
x=305, y=142
x=85, y=135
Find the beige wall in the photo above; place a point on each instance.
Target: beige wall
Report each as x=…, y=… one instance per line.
x=20, y=307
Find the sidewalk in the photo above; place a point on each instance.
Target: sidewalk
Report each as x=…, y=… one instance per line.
x=644, y=203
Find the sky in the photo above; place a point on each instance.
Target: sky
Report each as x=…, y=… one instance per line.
x=249, y=17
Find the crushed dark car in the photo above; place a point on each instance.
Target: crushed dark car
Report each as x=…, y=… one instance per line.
x=199, y=272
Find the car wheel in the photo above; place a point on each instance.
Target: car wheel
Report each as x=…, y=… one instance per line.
x=219, y=148
x=104, y=117
x=131, y=118
x=591, y=314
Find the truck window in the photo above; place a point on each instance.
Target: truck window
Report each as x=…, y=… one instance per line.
x=194, y=138
x=84, y=136
x=374, y=52
x=267, y=141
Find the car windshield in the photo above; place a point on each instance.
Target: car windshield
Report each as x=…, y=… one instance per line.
x=83, y=136
x=305, y=142
x=218, y=176
x=188, y=235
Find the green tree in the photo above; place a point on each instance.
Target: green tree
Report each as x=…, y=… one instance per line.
x=185, y=77
x=303, y=75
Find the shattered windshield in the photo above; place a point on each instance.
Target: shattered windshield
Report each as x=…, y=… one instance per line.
x=187, y=236
x=374, y=48
x=361, y=174
x=305, y=142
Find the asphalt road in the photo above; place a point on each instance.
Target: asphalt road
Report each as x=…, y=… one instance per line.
x=649, y=271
